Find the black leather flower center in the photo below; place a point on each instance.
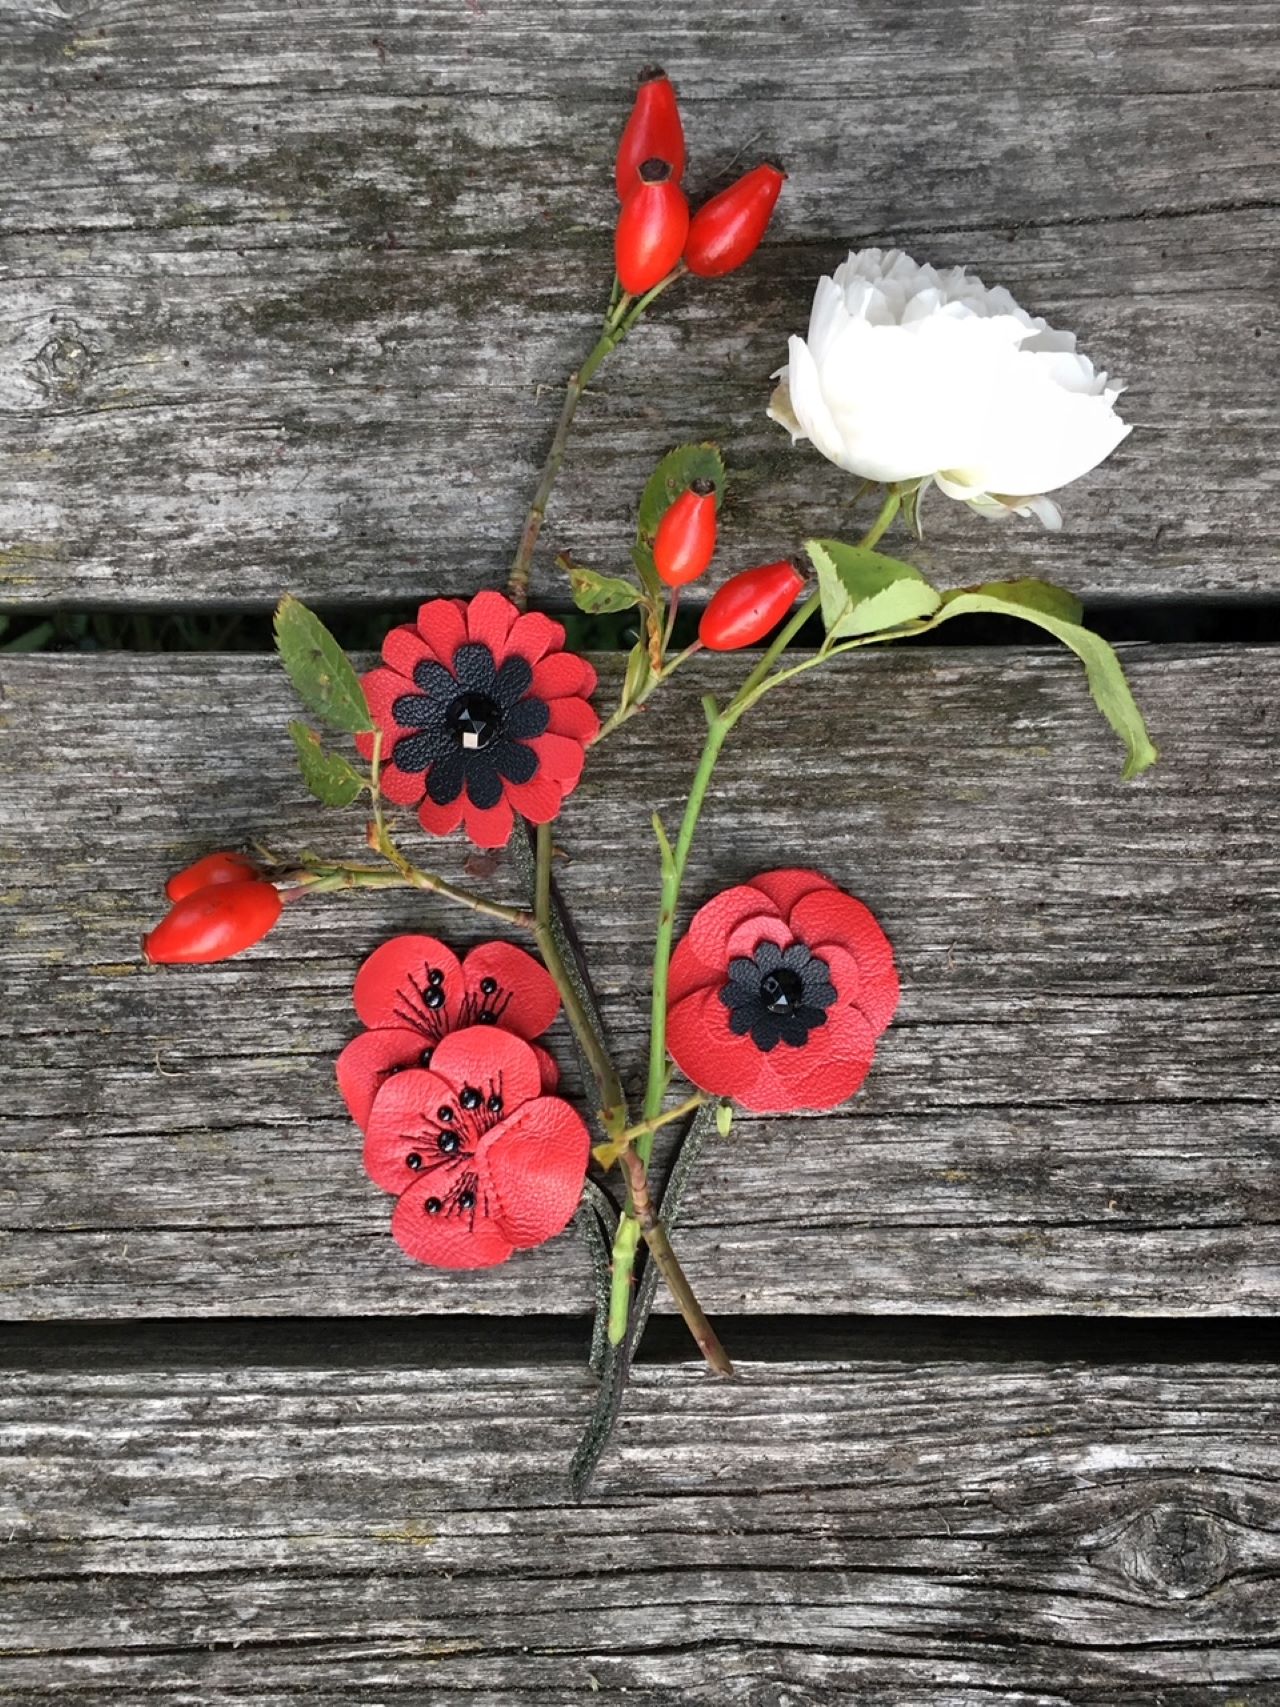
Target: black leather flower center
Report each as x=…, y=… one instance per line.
x=778, y=995
x=473, y=725
x=476, y=721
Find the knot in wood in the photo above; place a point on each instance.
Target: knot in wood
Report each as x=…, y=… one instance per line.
x=64, y=361
x=1178, y=1552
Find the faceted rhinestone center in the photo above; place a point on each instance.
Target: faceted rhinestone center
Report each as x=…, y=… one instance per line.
x=474, y=720
x=782, y=992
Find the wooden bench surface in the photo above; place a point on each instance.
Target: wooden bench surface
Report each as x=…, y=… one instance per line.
x=289, y=294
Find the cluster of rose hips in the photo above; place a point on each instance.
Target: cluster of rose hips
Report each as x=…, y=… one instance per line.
x=221, y=905
x=750, y=603
x=655, y=232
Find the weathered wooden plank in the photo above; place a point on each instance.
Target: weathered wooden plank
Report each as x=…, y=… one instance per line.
x=1075, y=1111
x=284, y=308
x=905, y=1531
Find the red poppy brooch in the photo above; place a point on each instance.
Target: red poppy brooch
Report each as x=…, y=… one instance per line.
x=778, y=993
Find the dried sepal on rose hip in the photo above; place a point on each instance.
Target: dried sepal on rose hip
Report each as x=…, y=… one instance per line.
x=483, y=714
x=482, y=1163
x=778, y=993
x=413, y=991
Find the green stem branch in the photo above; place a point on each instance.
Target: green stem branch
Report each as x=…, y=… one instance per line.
x=655, y=1235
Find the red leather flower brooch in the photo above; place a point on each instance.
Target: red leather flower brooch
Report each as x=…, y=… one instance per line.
x=778, y=993
x=483, y=715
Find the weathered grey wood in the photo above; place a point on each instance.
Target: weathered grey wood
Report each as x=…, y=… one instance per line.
x=896, y=1532
x=288, y=294
x=1076, y=1110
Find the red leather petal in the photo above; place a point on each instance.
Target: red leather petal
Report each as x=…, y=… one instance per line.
x=382, y=687
x=687, y=972
x=748, y=934
x=442, y=624
x=573, y=717
x=525, y=1001
x=402, y=788
x=533, y=635
x=562, y=673
x=533, y=1166
x=826, y=1070
x=492, y=1060
x=787, y=886
x=489, y=619
x=403, y=1123
x=539, y=799
x=706, y=1051
x=831, y=916
x=548, y=1069
x=391, y=986
x=489, y=828
x=560, y=758
x=368, y=1062
x=440, y=820
x=403, y=649
x=875, y=998
x=711, y=925
x=453, y=1237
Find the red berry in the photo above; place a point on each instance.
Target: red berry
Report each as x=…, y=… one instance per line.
x=651, y=229
x=654, y=129
x=686, y=539
x=214, y=923
x=728, y=228
x=749, y=605
x=220, y=867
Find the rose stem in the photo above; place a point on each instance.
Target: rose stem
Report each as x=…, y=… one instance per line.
x=613, y=1107
x=659, y=1244
x=623, y=316
x=627, y=1239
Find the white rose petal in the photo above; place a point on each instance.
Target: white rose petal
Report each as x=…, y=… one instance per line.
x=912, y=374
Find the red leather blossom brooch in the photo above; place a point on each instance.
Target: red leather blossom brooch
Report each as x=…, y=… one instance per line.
x=482, y=1163
x=778, y=993
x=483, y=714
x=413, y=991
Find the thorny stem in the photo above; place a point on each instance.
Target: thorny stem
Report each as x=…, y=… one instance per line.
x=674, y=860
x=655, y=1235
x=623, y=314
x=625, y=712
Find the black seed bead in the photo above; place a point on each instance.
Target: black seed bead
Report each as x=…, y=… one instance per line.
x=495, y=1104
x=413, y=1160
x=433, y=1206
x=435, y=976
x=425, y=1058
x=445, y=1114
x=488, y=986
x=449, y=1142
x=466, y=1200
x=486, y=1019
x=433, y=998
x=471, y=1097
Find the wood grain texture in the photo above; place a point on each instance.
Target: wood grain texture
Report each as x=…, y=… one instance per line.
x=289, y=292
x=1076, y=1110
x=905, y=1534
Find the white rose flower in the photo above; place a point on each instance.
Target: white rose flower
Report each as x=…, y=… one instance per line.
x=910, y=374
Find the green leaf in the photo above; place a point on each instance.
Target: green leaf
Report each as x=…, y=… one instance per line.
x=330, y=778
x=724, y=1118
x=636, y=681
x=675, y=474
x=647, y=569
x=599, y=595
x=864, y=592
x=1030, y=596
x=1102, y=668
x=319, y=669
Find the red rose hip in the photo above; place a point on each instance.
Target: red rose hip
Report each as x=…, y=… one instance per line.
x=686, y=539
x=749, y=605
x=728, y=229
x=651, y=228
x=214, y=923
x=221, y=867
x=654, y=129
